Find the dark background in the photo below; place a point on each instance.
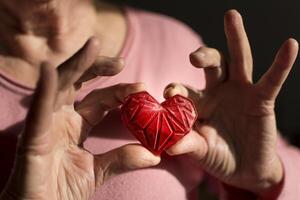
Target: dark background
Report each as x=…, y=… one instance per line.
x=268, y=23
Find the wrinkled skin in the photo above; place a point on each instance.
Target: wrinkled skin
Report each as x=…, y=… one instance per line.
x=51, y=162
x=235, y=136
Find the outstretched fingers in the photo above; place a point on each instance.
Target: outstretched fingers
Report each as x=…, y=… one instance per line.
x=271, y=82
x=240, y=65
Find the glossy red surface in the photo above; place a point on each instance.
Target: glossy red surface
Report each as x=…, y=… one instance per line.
x=158, y=126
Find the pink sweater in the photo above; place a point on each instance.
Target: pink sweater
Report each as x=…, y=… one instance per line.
x=156, y=52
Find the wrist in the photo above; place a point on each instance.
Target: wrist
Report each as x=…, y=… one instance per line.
x=273, y=183
x=265, y=186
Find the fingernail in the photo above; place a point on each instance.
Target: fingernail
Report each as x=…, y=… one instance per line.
x=232, y=16
x=201, y=54
x=171, y=91
x=198, y=59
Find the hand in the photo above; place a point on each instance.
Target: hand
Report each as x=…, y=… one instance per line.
x=51, y=162
x=32, y=32
x=235, y=136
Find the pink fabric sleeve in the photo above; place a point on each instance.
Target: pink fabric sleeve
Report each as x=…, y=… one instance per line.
x=289, y=189
x=290, y=157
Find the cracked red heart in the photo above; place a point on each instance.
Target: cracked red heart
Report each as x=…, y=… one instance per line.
x=158, y=126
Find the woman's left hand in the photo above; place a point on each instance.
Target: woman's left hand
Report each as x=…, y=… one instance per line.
x=235, y=136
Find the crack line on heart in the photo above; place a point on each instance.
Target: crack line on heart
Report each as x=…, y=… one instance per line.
x=146, y=137
x=149, y=121
x=188, y=108
x=165, y=143
x=158, y=127
x=169, y=123
x=183, y=117
x=175, y=120
x=135, y=112
x=150, y=102
x=186, y=118
x=150, y=106
x=192, y=117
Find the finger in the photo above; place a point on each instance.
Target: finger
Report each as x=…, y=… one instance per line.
x=195, y=95
x=71, y=70
x=39, y=115
x=240, y=66
x=193, y=144
x=103, y=66
x=206, y=57
x=213, y=63
x=183, y=90
x=121, y=160
x=95, y=105
x=272, y=81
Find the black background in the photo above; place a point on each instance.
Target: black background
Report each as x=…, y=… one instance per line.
x=268, y=23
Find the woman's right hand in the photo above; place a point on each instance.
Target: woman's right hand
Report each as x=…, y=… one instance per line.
x=51, y=162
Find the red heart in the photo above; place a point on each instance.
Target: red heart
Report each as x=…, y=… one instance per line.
x=158, y=126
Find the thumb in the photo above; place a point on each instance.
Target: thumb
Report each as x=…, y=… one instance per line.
x=126, y=158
